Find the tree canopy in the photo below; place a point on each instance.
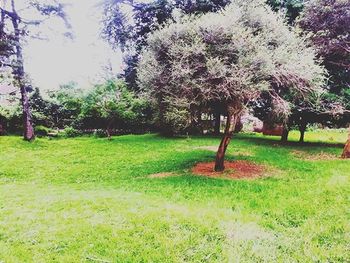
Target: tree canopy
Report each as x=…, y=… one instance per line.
x=327, y=24
x=128, y=23
x=229, y=59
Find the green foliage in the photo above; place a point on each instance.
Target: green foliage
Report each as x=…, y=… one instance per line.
x=41, y=130
x=99, y=133
x=113, y=106
x=326, y=24
x=88, y=199
x=70, y=132
x=226, y=58
x=291, y=8
x=66, y=104
x=128, y=28
x=11, y=118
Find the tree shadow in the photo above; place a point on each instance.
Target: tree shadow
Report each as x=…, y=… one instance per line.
x=272, y=141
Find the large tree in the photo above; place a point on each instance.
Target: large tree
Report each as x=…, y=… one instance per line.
x=16, y=25
x=228, y=59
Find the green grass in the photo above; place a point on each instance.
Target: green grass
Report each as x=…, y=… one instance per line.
x=91, y=200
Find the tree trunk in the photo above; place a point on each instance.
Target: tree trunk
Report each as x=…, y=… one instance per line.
x=302, y=129
x=27, y=116
x=217, y=123
x=346, y=151
x=108, y=130
x=19, y=76
x=232, y=117
x=302, y=136
x=285, y=133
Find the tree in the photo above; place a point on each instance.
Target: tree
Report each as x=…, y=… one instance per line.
x=111, y=105
x=66, y=105
x=228, y=59
x=16, y=25
x=327, y=24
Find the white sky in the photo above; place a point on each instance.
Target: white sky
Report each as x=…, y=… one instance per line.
x=60, y=60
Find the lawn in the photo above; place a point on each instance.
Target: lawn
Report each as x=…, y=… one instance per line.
x=92, y=200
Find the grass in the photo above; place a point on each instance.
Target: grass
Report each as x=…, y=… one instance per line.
x=92, y=200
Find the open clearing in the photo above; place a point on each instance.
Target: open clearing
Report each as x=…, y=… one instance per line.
x=93, y=200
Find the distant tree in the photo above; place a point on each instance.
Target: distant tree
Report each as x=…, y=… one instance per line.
x=66, y=105
x=109, y=106
x=16, y=25
x=49, y=112
x=228, y=59
x=327, y=24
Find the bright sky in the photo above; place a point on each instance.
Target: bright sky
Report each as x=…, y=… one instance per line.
x=60, y=60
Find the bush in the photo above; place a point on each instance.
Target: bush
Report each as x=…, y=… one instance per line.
x=70, y=132
x=41, y=130
x=99, y=133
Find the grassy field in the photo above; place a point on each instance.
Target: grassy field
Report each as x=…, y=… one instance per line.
x=92, y=200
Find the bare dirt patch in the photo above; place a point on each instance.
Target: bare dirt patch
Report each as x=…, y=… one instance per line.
x=321, y=156
x=238, y=232
x=233, y=170
x=161, y=175
x=208, y=148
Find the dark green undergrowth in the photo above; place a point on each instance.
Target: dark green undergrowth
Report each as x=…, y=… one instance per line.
x=91, y=199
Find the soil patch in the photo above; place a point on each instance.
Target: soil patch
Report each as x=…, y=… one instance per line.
x=233, y=170
x=208, y=148
x=161, y=175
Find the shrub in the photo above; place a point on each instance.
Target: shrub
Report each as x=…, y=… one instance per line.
x=70, y=132
x=41, y=130
x=99, y=133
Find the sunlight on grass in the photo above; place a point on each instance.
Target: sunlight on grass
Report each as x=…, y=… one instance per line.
x=93, y=200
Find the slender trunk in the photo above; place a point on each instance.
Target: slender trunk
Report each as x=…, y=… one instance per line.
x=199, y=123
x=217, y=123
x=20, y=79
x=302, y=129
x=239, y=124
x=2, y=23
x=232, y=117
x=346, y=151
x=285, y=134
x=108, y=133
x=108, y=130
x=302, y=136
x=27, y=116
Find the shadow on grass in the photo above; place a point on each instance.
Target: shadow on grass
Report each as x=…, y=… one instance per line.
x=270, y=141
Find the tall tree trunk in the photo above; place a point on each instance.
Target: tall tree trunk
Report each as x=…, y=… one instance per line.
x=232, y=118
x=19, y=76
x=346, y=151
x=285, y=133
